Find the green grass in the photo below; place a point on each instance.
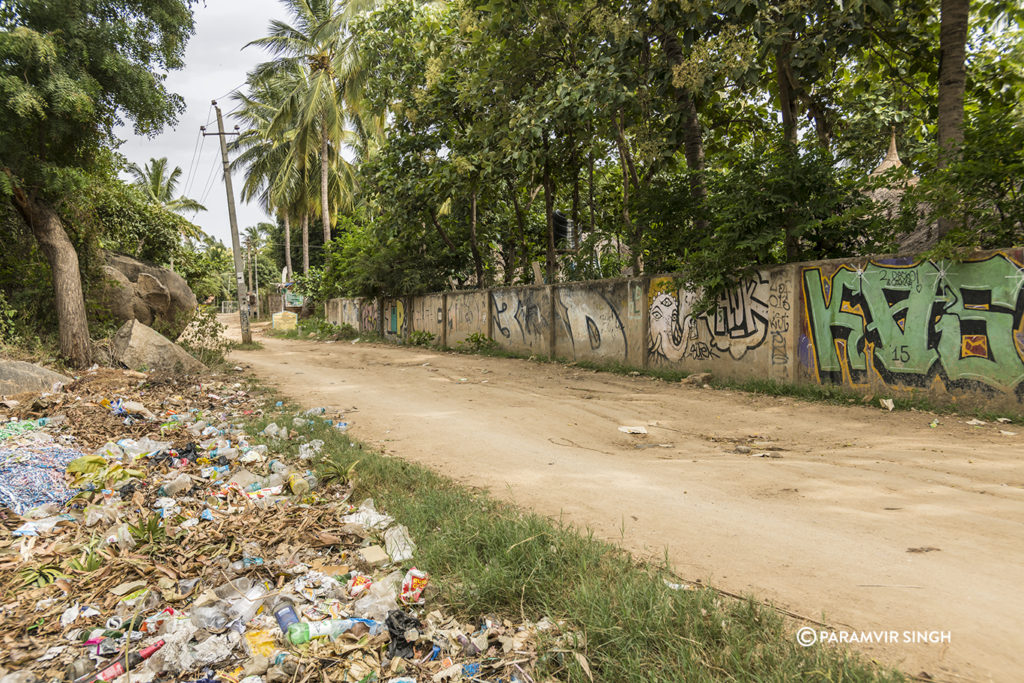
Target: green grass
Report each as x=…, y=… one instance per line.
x=487, y=557
x=251, y=346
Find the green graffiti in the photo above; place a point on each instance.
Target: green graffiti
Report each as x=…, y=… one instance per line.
x=977, y=333
x=912, y=323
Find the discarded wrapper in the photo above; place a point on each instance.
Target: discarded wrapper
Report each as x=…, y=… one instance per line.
x=412, y=586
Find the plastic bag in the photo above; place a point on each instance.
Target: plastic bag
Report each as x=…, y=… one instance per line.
x=398, y=544
x=380, y=599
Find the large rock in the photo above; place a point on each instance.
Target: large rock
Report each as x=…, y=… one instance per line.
x=17, y=377
x=139, y=347
x=154, y=296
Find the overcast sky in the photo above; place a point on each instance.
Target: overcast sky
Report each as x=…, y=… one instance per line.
x=215, y=65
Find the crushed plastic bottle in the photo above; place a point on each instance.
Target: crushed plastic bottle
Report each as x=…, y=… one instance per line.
x=181, y=484
x=213, y=617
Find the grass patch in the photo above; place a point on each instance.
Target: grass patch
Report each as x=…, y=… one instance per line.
x=251, y=346
x=488, y=557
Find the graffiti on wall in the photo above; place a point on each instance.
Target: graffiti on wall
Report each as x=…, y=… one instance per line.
x=738, y=323
x=520, y=315
x=592, y=323
x=368, y=315
x=780, y=307
x=912, y=324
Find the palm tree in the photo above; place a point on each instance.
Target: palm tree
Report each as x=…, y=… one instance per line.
x=160, y=188
x=316, y=108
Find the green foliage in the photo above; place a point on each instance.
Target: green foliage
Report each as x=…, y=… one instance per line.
x=149, y=531
x=70, y=71
x=421, y=338
x=654, y=127
x=476, y=343
x=41, y=575
x=204, y=336
x=8, y=331
x=132, y=224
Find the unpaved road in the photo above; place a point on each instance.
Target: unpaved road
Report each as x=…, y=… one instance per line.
x=824, y=530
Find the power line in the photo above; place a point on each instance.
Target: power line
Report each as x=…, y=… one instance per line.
x=192, y=164
x=209, y=179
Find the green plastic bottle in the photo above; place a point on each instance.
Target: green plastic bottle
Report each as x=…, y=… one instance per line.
x=305, y=631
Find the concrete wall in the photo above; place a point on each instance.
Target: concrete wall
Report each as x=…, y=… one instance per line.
x=467, y=314
x=521, y=319
x=369, y=315
x=342, y=312
x=428, y=314
x=883, y=326
x=600, y=321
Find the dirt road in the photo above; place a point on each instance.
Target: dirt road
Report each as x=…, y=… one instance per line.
x=867, y=520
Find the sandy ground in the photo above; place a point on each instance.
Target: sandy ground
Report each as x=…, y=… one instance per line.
x=825, y=529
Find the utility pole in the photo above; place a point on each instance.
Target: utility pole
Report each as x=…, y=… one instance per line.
x=243, y=295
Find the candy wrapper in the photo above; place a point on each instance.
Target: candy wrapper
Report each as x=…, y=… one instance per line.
x=359, y=584
x=412, y=586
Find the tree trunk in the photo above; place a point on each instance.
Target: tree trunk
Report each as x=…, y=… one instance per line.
x=288, y=247
x=305, y=244
x=549, y=213
x=631, y=230
x=593, y=221
x=478, y=261
x=521, y=228
x=952, y=79
x=787, y=94
x=325, y=211
x=693, y=137
x=72, y=323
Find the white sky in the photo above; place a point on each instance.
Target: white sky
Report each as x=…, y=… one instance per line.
x=215, y=64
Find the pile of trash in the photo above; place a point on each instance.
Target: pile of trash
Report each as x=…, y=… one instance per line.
x=145, y=536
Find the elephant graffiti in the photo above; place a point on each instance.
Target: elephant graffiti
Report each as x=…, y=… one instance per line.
x=959, y=323
x=738, y=323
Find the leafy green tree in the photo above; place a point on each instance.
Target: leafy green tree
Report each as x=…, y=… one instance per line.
x=69, y=72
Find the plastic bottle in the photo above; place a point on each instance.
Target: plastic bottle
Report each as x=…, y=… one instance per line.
x=298, y=485
x=245, y=563
x=229, y=453
x=278, y=467
x=180, y=484
x=211, y=617
x=284, y=611
x=304, y=631
x=121, y=665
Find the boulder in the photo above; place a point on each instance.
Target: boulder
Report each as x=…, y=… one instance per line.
x=17, y=377
x=138, y=347
x=150, y=294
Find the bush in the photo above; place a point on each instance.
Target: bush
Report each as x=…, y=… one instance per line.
x=204, y=337
x=421, y=338
x=476, y=343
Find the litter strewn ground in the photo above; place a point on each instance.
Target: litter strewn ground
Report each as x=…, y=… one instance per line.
x=143, y=529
